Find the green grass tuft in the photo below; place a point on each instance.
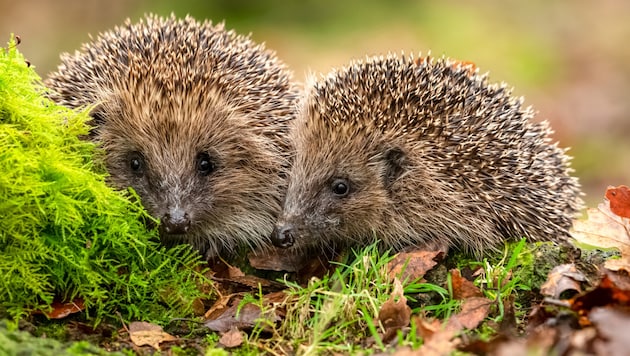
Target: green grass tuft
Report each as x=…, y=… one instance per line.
x=63, y=232
x=337, y=313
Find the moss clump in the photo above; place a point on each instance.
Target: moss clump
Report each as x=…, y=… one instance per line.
x=20, y=343
x=63, y=232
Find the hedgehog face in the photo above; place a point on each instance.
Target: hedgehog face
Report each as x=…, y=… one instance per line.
x=200, y=168
x=335, y=195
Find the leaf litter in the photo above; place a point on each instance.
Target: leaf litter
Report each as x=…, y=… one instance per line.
x=570, y=314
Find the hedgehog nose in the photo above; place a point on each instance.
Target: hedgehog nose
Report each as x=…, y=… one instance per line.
x=176, y=222
x=282, y=236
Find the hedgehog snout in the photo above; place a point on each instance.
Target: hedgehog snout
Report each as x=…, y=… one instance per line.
x=283, y=235
x=176, y=221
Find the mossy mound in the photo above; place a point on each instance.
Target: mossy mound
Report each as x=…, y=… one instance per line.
x=64, y=233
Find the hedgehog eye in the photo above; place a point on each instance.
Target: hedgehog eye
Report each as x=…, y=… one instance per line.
x=136, y=162
x=340, y=187
x=205, y=166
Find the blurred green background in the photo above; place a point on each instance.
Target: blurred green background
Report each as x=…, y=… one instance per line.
x=570, y=59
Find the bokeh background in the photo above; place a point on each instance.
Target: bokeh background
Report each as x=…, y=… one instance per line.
x=570, y=59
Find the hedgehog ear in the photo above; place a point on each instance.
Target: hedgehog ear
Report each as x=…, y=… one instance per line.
x=98, y=119
x=395, y=162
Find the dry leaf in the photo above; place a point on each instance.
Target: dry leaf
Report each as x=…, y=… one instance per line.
x=395, y=313
x=437, y=340
x=613, y=290
x=142, y=333
x=605, y=229
x=232, y=338
x=619, y=198
x=474, y=311
x=463, y=288
x=415, y=264
x=61, y=310
x=235, y=272
x=218, y=306
x=561, y=279
x=245, y=318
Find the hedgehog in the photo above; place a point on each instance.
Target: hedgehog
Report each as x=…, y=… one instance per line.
x=194, y=118
x=416, y=151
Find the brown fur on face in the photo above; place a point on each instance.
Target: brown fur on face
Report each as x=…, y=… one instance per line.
x=170, y=94
x=430, y=152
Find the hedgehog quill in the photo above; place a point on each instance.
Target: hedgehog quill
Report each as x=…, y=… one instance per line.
x=421, y=151
x=193, y=117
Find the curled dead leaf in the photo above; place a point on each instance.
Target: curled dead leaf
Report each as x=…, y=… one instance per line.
x=561, y=279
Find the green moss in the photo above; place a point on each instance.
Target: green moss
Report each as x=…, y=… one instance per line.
x=63, y=232
x=13, y=342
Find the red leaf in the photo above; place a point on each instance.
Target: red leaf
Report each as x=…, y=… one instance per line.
x=62, y=310
x=619, y=198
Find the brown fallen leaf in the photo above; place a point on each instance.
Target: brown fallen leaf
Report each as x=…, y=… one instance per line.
x=232, y=338
x=220, y=268
x=220, y=304
x=561, y=279
x=619, y=198
x=232, y=279
x=413, y=265
x=605, y=229
x=613, y=290
x=539, y=315
x=142, y=333
x=395, y=313
x=245, y=318
x=436, y=339
x=474, y=311
x=61, y=310
x=440, y=339
x=463, y=288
